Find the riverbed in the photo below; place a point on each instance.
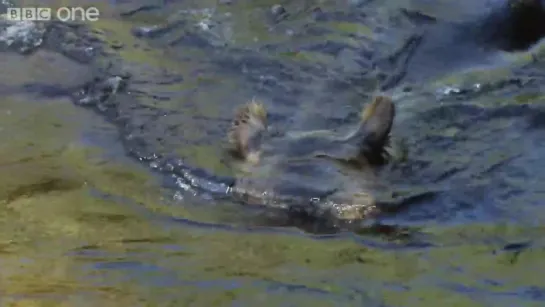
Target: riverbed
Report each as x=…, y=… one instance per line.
x=88, y=220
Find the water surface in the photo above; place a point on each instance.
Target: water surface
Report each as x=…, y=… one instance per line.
x=88, y=222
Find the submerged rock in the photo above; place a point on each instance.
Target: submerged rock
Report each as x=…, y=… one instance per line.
x=22, y=36
x=517, y=25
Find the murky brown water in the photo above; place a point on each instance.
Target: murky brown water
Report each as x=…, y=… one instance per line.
x=84, y=225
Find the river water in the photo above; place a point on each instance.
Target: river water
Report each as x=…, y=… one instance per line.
x=92, y=216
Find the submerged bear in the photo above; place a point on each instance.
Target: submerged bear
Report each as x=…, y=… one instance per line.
x=318, y=173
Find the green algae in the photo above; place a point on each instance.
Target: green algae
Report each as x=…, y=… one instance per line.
x=67, y=209
x=50, y=213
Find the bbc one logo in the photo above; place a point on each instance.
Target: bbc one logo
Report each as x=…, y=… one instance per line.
x=46, y=13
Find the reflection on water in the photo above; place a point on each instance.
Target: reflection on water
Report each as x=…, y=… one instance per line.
x=83, y=225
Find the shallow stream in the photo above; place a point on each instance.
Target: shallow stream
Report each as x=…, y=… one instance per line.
x=87, y=219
